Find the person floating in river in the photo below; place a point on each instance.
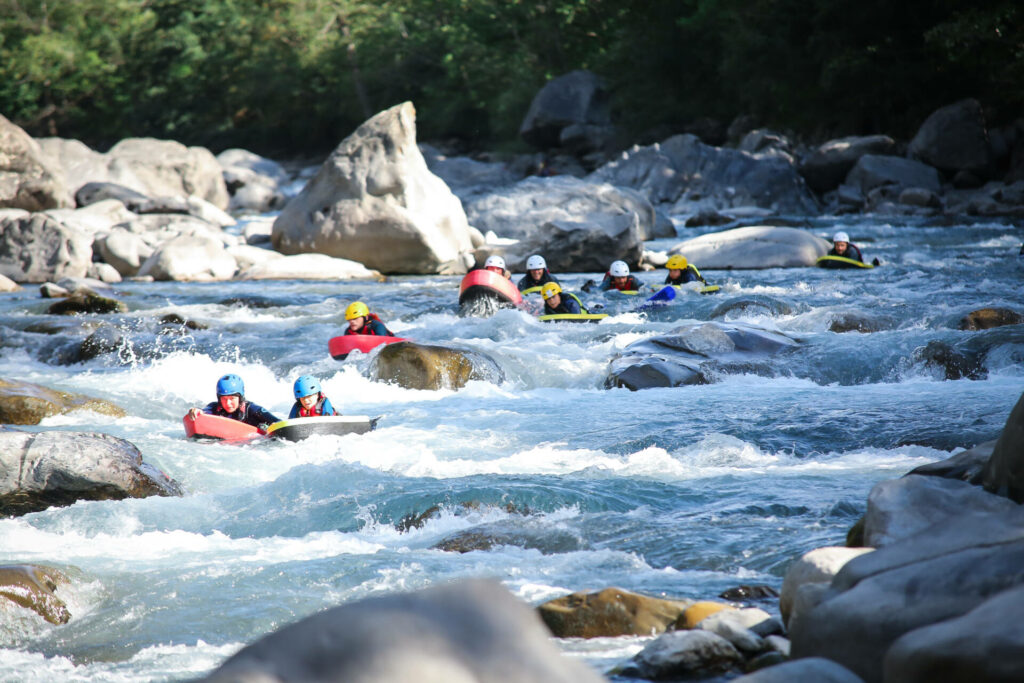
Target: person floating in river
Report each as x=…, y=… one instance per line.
x=496, y=264
x=556, y=300
x=618, y=277
x=842, y=246
x=231, y=403
x=361, y=321
x=680, y=271
x=537, y=273
x=310, y=400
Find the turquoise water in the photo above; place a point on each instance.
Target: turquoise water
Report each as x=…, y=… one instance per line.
x=678, y=492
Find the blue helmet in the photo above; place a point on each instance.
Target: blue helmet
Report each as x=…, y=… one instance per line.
x=230, y=384
x=306, y=386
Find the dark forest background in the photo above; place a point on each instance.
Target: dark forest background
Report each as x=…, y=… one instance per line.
x=285, y=77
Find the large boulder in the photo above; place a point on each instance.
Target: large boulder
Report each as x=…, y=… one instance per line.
x=255, y=183
x=579, y=226
x=424, y=366
x=375, y=202
x=29, y=178
x=123, y=249
x=466, y=177
x=1004, y=473
x=470, y=631
x=760, y=246
x=698, y=177
x=815, y=669
x=40, y=470
x=190, y=258
x=37, y=248
x=954, y=138
x=306, y=267
x=818, y=566
x=826, y=167
x=610, y=613
x=875, y=170
x=684, y=655
x=577, y=99
x=33, y=587
x=155, y=168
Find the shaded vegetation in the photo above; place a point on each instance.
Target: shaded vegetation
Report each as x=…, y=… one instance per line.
x=287, y=76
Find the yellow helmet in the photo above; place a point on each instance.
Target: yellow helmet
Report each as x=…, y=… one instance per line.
x=356, y=309
x=677, y=262
x=550, y=289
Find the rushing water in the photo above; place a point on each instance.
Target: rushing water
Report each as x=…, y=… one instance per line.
x=679, y=492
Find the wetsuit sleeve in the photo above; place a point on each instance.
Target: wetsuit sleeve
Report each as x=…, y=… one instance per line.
x=295, y=411
x=856, y=252
x=521, y=285
x=571, y=306
x=379, y=328
x=257, y=415
x=606, y=283
x=211, y=408
x=329, y=408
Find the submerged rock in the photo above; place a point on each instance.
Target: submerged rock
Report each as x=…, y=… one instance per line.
x=610, y=612
x=32, y=587
x=22, y=403
x=41, y=470
x=471, y=630
x=987, y=318
x=86, y=302
x=424, y=366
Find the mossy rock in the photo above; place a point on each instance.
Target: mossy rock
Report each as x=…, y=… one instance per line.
x=32, y=587
x=22, y=403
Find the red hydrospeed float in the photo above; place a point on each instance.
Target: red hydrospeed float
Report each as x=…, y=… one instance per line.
x=341, y=346
x=487, y=290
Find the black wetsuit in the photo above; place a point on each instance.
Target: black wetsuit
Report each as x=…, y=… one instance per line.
x=689, y=274
x=527, y=282
x=568, y=303
x=249, y=413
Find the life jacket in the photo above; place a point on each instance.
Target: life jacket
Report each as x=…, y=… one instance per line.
x=561, y=304
x=631, y=282
x=315, y=411
x=367, y=328
x=681, y=280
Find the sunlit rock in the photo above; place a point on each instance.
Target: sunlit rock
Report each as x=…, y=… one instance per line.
x=375, y=202
x=610, y=612
x=754, y=247
x=424, y=366
x=57, y=468
x=29, y=178
x=987, y=318
x=304, y=267
x=37, y=248
x=33, y=587
x=471, y=630
x=23, y=403
x=195, y=258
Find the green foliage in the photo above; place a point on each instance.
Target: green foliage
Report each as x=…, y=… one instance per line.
x=288, y=76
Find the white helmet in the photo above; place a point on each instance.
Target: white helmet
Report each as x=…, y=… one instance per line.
x=619, y=269
x=495, y=262
x=840, y=237
x=536, y=262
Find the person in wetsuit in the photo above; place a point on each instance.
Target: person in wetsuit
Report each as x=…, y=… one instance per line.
x=558, y=301
x=537, y=273
x=680, y=271
x=361, y=321
x=842, y=246
x=309, y=399
x=231, y=403
x=618, y=277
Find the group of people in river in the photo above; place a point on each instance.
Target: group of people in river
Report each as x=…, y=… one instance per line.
x=310, y=400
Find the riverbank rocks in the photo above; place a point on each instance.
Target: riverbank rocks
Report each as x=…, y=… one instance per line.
x=818, y=566
x=255, y=183
x=305, y=267
x=827, y=166
x=8, y=285
x=875, y=170
x=695, y=178
x=567, y=107
x=37, y=248
x=424, y=366
x=815, y=669
x=987, y=318
x=29, y=178
x=579, y=225
x=85, y=301
x=190, y=258
x=45, y=469
x=375, y=202
x=33, y=587
x=754, y=247
x=610, y=612
x=154, y=168
x=471, y=631
x=954, y=139
x=682, y=655
x=23, y=403
x=1004, y=472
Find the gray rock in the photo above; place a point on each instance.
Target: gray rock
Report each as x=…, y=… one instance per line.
x=578, y=97
x=374, y=201
x=918, y=196
x=467, y=631
x=578, y=225
x=468, y=178
x=33, y=587
x=1004, y=473
x=829, y=164
x=966, y=466
x=899, y=508
x=814, y=669
x=93, y=192
x=425, y=366
x=274, y=266
x=816, y=566
x=37, y=248
x=193, y=258
x=124, y=250
x=685, y=654
x=653, y=371
x=40, y=470
x=610, y=613
x=255, y=183
x=754, y=247
x=24, y=403
x=29, y=178
x=8, y=285
x=873, y=170
x=986, y=644
x=953, y=138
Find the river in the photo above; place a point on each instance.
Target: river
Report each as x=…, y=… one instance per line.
x=673, y=491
